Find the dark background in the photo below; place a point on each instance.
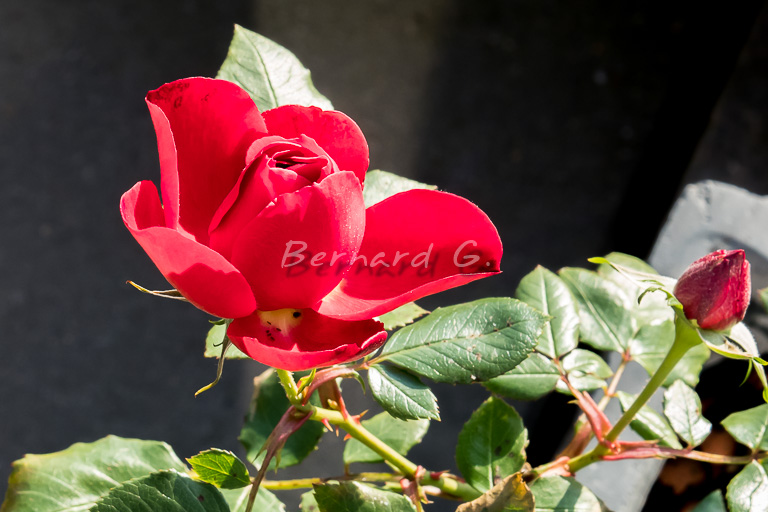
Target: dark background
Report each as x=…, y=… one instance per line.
x=572, y=124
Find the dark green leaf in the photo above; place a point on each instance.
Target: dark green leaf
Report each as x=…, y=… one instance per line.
x=309, y=503
x=586, y=371
x=215, y=340
x=164, y=491
x=272, y=75
x=748, y=490
x=560, y=494
x=532, y=379
x=237, y=499
x=491, y=444
x=651, y=344
x=649, y=424
x=749, y=427
x=399, y=434
x=401, y=394
x=357, y=497
x=682, y=408
x=267, y=407
x=509, y=495
x=606, y=321
x=380, y=185
x=75, y=478
x=468, y=342
x=547, y=292
x=713, y=502
x=402, y=316
x=220, y=468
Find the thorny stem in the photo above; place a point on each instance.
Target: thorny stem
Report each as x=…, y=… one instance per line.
x=304, y=483
x=291, y=390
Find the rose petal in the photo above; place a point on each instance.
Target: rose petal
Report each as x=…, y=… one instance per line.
x=333, y=131
x=300, y=339
x=203, y=276
x=204, y=128
x=321, y=224
x=395, y=264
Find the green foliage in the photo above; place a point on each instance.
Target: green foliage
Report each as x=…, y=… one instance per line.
x=380, y=185
x=357, y=497
x=466, y=343
x=220, y=468
x=402, y=316
x=586, y=371
x=272, y=75
x=649, y=424
x=309, y=503
x=713, y=502
x=402, y=394
x=547, y=292
x=652, y=343
x=267, y=407
x=237, y=499
x=509, y=495
x=214, y=343
x=560, y=494
x=749, y=427
x=748, y=490
x=398, y=434
x=682, y=408
x=491, y=444
x=532, y=379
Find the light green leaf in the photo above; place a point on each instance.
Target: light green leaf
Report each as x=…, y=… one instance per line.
x=737, y=344
x=635, y=269
x=237, y=499
x=380, y=185
x=358, y=497
x=272, y=75
x=604, y=309
x=220, y=468
x=267, y=407
x=75, y=478
x=547, y=292
x=764, y=297
x=651, y=344
x=214, y=341
x=713, y=502
x=491, y=444
x=682, y=408
x=748, y=490
x=560, y=494
x=164, y=491
x=309, y=503
x=649, y=424
x=399, y=434
x=402, y=316
x=401, y=394
x=468, y=342
x=749, y=427
x=509, y=495
x=532, y=379
x=586, y=371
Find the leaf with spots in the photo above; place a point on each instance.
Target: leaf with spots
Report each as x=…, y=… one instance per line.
x=358, y=497
x=402, y=394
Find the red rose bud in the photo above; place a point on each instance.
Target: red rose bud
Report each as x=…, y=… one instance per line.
x=715, y=289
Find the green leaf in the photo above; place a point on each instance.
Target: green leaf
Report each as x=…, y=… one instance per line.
x=748, y=490
x=634, y=269
x=402, y=316
x=220, y=468
x=380, y=185
x=749, y=427
x=682, y=408
x=309, y=503
x=272, y=75
x=398, y=434
x=468, y=342
x=214, y=341
x=532, y=379
x=164, y=491
x=491, y=444
x=75, y=478
x=764, y=298
x=267, y=407
x=586, y=371
x=547, y=292
x=713, y=502
x=237, y=499
x=737, y=344
x=358, y=497
x=509, y=495
x=651, y=344
x=604, y=309
x=560, y=494
x=649, y=424
x=401, y=394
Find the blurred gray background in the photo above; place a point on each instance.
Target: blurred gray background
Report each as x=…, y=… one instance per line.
x=573, y=125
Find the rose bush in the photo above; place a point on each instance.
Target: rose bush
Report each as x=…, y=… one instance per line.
x=262, y=221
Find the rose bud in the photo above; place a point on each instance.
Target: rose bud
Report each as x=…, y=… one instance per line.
x=260, y=218
x=715, y=289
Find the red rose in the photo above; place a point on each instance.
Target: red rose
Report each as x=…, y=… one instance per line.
x=262, y=221
x=715, y=290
